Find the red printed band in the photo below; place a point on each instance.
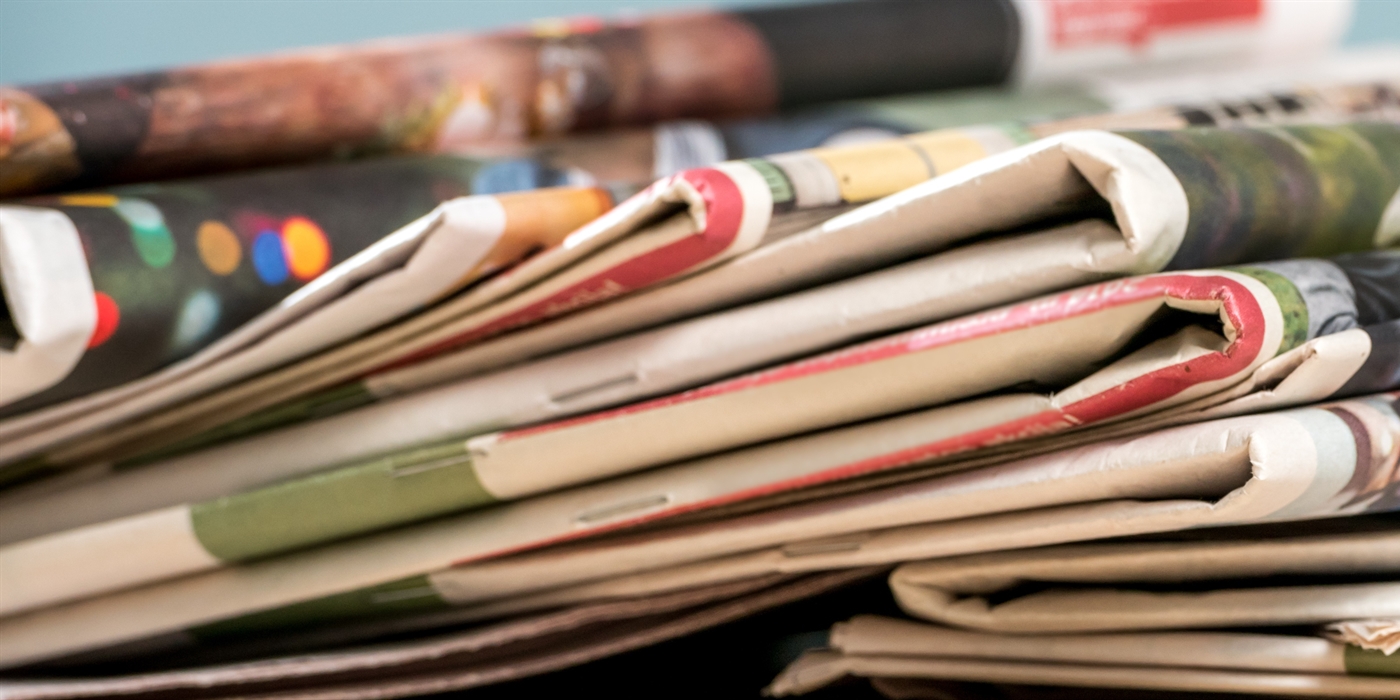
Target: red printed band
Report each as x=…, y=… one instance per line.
x=1245, y=315
x=724, y=210
x=1241, y=309
x=1088, y=22
x=1030, y=426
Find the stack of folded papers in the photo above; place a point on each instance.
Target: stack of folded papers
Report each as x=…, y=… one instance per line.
x=1079, y=321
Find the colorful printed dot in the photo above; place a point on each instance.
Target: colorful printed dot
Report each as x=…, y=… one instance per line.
x=109, y=316
x=218, y=247
x=198, y=316
x=307, y=250
x=269, y=259
x=139, y=213
x=149, y=234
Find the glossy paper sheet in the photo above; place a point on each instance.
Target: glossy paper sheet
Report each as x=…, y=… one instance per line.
x=439, y=93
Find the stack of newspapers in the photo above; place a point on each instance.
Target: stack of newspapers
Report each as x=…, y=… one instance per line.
x=1059, y=340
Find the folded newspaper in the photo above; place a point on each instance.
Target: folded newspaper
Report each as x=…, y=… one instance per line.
x=769, y=275
x=1145, y=615
x=439, y=93
x=1298, y=464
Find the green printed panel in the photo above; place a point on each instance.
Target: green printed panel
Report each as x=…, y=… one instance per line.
x=1290, y=302
x=409, y=595
x=1280, y=192
x=1370, y=662
x=318, y=405
x=783, y=197
x=389, y=491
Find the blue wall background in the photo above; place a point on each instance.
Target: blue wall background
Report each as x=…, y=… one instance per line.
x=54, y=39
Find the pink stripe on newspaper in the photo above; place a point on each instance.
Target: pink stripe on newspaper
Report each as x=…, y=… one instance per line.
x=724, y=210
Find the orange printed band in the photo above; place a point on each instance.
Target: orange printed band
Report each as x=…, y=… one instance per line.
x=540, y=219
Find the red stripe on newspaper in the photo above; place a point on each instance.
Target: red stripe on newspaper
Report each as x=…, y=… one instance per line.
x=1032, y=425
x=724, y=211
x=1087, y=22
x=1028, y=427
x=1240, y=307
x=1244, y=313
x=1085, y=300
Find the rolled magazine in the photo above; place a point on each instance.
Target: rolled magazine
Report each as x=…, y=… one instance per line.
x=440, y=93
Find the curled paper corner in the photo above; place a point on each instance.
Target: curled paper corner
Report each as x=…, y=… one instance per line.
x=1379, y=634
x=47, y=301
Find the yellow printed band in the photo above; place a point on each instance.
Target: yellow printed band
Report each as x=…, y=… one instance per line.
x=949, y=149
x=867, y=172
